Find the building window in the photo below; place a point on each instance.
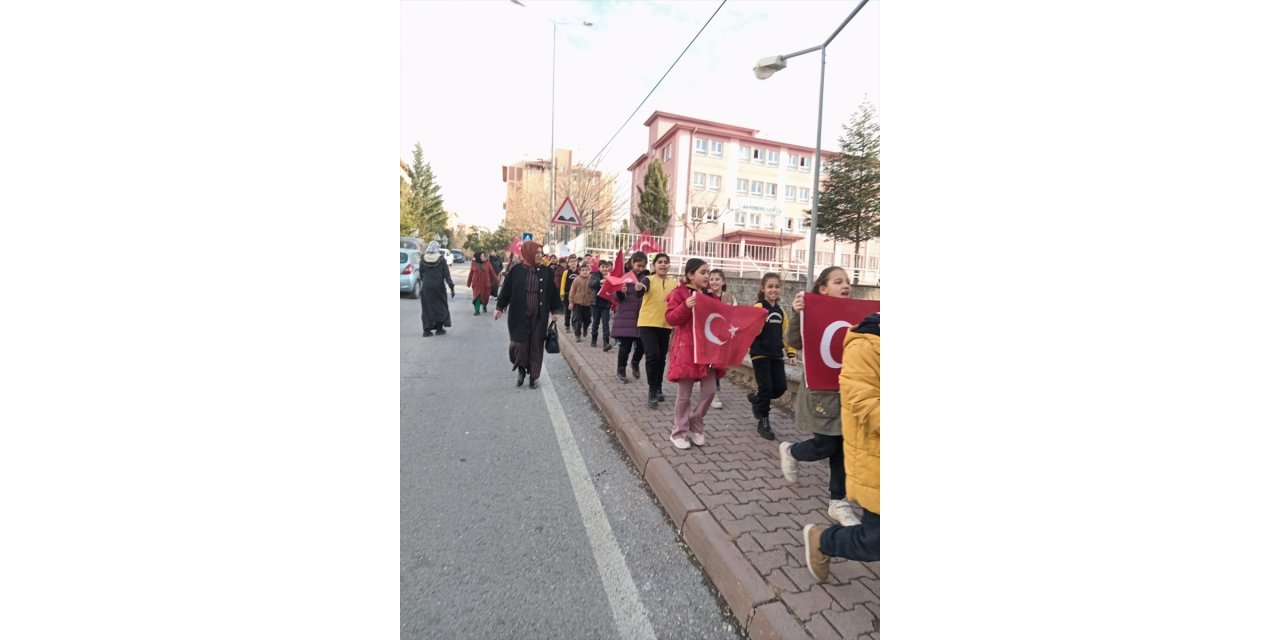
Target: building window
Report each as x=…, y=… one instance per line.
x=771, y=191
x=773, y=158
x=717, y=149
x=757, y=188
x=740, y=218
x=700, y=146
x=791, y=224
x=744, y=153
x=758, y=155
x=699, y=180
x=715, y=183
x=804, y=163
x=789, y=194
x=742, y=186
x=754, y=219
x=711, y=215
x=666, y=153
x=793, y=160
x=804, y=194
x=698, y=213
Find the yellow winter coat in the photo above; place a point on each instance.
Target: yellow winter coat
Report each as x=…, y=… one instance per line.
x=653, y=306
x=860, y=418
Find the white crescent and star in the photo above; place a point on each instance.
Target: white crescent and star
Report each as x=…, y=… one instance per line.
x=825, y=344
x=706, y=328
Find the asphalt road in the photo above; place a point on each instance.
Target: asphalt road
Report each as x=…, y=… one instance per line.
x=520, y=515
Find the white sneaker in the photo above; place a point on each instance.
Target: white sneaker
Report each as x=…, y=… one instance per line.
x=680, y=443
x=716, y=404
x=790, y=466
x=841, y=511
x=697, y=438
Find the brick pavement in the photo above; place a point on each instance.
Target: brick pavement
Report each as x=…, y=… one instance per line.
x=733, y=509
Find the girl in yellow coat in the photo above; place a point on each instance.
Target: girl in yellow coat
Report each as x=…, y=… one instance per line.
x=860, y=424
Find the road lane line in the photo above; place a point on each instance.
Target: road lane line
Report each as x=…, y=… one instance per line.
x=628, y=611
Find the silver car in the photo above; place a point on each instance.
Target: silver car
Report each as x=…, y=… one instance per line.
x=410, y=279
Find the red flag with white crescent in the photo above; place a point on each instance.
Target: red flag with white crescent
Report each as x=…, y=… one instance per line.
x=615, y=276
x=723, y=333
x=645, y=243
x=823, y=325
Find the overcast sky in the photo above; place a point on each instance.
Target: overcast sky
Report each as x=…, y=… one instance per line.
x=475, y=80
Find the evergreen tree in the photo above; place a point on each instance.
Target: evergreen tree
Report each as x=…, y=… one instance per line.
x=849, y=209
x=434, y=218
x=655, y=207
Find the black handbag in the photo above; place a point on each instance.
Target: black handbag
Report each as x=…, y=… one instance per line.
x=553, y=338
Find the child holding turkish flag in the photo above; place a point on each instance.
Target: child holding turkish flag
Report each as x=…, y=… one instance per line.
x=683, y=371
x=819, y=411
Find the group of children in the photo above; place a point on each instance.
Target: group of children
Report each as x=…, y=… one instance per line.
x=653, y=321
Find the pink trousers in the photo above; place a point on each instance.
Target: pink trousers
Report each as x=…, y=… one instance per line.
x=687, y=421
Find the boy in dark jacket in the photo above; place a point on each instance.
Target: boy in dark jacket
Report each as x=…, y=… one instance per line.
x=601, y=307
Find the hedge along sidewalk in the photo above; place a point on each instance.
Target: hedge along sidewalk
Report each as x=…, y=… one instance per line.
x=734, y=510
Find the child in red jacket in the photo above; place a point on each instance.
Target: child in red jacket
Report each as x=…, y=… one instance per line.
x=688, y=424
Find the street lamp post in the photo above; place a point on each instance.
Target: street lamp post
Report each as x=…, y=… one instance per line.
x=551, y=159
x=765, y=68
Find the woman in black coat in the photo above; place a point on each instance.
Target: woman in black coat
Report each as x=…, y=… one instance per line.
x=434, y=271
x=534, y=300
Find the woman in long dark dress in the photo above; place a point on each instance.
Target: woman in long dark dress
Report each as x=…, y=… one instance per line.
x=534, y=300
x=434, y=271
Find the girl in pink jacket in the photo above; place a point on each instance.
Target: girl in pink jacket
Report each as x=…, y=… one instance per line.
x=682, y=370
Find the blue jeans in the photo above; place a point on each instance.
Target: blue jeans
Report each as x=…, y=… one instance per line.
x=860, y=542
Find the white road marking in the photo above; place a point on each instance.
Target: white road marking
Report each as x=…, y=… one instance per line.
x=628, y=611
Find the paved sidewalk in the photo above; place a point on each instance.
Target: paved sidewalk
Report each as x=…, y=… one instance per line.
x=733, y=509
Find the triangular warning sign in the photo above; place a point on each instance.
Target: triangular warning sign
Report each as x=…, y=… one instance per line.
x=567, y=215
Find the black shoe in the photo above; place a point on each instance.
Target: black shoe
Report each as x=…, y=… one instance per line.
x=661, y=398
x=635, y=370
x=577, y=339
x=426, y=333
x=440, y=331
x=755, y=413
x=476, y=313
x=520, y=378
x=608, y=346
x=622, y=375
x=653, y=399
x=533, y=384
x=763, y=428
x=485, y=308
x=593, y=343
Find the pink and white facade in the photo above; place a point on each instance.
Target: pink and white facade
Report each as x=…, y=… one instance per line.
x=736, y=195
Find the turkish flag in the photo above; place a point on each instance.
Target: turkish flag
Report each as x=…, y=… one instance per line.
x=610, y=284
x=723, y=333
x=515, y=245
x=645, y=243
x=823, y=325
x=614, y=276
x=618, y=267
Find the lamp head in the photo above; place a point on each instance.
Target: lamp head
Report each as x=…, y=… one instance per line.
x=768, y=66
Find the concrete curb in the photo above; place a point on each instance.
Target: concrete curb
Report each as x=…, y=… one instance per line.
x=751, y=600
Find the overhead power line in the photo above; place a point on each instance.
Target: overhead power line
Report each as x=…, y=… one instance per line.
x=655, y=87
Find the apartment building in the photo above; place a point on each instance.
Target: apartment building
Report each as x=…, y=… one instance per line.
x=593, y=193
x=728, y=184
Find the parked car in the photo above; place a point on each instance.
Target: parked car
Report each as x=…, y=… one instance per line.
x=413, y=243
x=459, y=257
x=410, y=279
